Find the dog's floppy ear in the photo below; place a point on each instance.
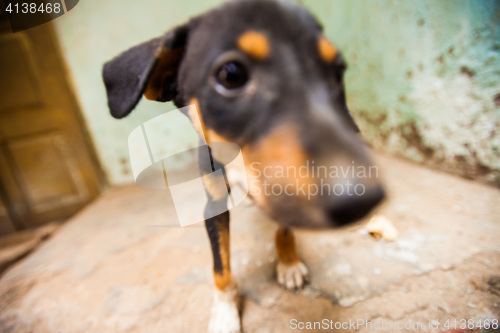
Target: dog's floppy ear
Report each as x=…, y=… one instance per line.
x=149, y=68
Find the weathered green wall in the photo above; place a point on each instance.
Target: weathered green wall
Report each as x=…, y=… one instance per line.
x=94, y=32
x=422, y=82
x=424, y=78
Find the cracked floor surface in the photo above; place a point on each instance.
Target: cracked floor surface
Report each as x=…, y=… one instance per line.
x=121, y=265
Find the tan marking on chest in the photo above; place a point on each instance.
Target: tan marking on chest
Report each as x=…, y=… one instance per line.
x=215, y=185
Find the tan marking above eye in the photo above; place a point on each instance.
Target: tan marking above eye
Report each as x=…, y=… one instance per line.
x=327, y=50
x=255, y=44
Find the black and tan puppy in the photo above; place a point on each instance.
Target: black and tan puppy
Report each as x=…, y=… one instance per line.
x=262, y=75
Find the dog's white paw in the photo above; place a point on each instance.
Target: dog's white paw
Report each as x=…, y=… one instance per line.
x=292, y=276
x=225, y=317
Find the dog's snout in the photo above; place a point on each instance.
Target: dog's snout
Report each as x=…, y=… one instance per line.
x=347, y=208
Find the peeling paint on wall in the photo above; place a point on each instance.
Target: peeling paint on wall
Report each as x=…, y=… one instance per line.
x=423, y=78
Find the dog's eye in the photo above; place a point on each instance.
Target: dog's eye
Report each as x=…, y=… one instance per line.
x=232, y=75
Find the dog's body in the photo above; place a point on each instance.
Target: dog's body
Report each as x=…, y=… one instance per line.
x=261, y=75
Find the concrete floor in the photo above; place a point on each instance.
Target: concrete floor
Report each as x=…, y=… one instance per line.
x=121, y=266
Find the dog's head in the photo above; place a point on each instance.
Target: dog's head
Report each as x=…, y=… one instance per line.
x=262, y=75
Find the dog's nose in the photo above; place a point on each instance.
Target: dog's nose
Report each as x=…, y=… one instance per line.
x=346, y=208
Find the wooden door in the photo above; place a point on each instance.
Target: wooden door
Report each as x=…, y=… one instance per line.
x=48, y=169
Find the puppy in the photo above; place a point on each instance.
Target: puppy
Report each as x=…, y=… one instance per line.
x=262, y=75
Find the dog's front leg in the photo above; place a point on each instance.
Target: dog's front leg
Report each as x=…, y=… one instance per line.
x=225, y=309
x=291, y=273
